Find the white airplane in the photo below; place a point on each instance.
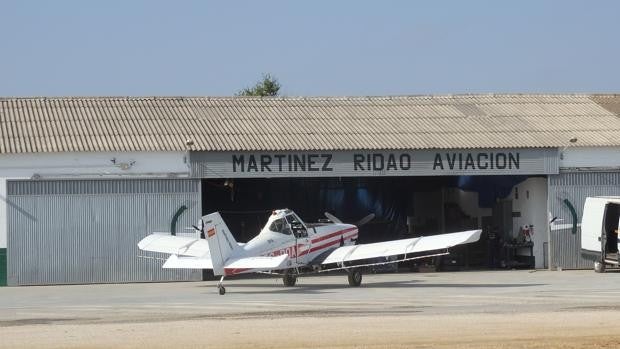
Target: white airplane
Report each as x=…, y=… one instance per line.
x=289, y=247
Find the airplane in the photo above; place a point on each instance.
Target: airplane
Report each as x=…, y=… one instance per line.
x=289, y=247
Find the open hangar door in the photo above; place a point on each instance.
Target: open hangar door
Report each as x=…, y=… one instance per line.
x=404, y=207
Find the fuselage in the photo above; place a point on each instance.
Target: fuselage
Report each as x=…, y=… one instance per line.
x=286, y=233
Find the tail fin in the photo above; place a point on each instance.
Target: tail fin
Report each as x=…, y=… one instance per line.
x=221, y=242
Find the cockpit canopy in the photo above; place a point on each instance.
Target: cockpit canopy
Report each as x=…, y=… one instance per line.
x=284, y=222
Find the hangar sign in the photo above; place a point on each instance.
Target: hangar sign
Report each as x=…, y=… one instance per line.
x=373, y=163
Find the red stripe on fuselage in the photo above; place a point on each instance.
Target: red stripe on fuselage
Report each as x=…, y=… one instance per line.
x=329, y=244
x=331, y=235
x=298, y=253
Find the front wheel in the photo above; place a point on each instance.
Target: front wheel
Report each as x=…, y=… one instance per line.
x=289, y=280
x=355, y=277
x=599, y=267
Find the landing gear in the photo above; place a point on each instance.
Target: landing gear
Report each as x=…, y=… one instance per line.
x=599, y=267
x=220, y=287
x=355, y=277
x=289, y=279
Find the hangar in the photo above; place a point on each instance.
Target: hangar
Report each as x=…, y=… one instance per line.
x=83, y=179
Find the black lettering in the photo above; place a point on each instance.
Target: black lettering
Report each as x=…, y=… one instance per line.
x=328, y=159
x=280, y=157
x=358, y=160
x=252, y=165
x=451, y=162
x=375, y=165
x=238, y=161
x=512, y=160
x=500, y=161
x=482, y=165
x=405, y=162
x=469, y=161
x=391, y=164
x=265, y=161
x=300, y=162
x=290, y=163
x=460, y=161
x=312, y=161
x=438, y=162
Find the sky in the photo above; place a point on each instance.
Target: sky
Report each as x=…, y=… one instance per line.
x=314, y=48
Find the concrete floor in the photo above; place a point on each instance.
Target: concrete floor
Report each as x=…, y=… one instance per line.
x=422, y=295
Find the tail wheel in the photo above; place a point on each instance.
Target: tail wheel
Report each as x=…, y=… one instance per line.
x=599, y=267
x=222, y=290
x=355, y=277
x=289, y=280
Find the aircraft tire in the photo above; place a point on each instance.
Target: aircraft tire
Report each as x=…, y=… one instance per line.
x=599, y=267
x=289, y=280
x=355, y=277
x=222, y=290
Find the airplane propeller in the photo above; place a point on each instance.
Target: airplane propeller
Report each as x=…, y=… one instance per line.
x=332, y=218
x=365, y=220
x=359, y=223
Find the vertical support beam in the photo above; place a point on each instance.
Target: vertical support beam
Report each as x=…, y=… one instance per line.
x=3, y=269
x=3, y=233
x=550, y=257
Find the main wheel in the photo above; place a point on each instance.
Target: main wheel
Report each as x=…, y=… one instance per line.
x=599, y=267
x=355, y=277
x=289, y=280
x=222, y=290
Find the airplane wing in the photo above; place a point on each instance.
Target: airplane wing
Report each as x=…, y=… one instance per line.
x=406, y=249
x=176, y=245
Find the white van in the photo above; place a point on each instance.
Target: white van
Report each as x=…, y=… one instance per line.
x=599, y=231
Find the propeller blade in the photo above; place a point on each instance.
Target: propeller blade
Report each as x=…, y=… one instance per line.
x=365, y=220
x=332, y=218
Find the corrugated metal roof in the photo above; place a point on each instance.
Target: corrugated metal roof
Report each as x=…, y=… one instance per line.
x=83, y=124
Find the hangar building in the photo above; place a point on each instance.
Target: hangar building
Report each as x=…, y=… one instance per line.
x=83, y=179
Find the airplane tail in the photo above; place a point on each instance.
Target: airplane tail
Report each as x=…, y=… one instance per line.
x=222, y=244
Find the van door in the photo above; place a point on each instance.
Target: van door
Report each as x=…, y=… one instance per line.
x=592, y=232
x=612, y=213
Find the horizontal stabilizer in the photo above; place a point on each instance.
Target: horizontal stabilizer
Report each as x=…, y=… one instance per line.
x=401, y=247
x=180, y=262
x=179, y=245
x=254, y=264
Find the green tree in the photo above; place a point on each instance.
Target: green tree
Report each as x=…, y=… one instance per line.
x=268, y=86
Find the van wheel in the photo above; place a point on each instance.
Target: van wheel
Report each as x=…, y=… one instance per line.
x=599, y=267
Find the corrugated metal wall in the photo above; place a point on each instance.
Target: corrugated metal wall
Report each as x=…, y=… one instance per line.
x=575, y=187
x=86, y=231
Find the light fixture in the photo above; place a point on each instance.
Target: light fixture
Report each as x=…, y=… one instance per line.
x=571, y=141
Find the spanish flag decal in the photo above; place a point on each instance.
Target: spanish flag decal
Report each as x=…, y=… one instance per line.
x=211, y=232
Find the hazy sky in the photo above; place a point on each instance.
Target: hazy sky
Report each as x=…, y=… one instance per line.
x=196, y=48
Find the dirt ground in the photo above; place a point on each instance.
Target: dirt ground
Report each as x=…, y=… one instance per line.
x=565, y=330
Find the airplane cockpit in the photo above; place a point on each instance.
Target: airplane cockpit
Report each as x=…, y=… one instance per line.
x=286, y=222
